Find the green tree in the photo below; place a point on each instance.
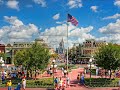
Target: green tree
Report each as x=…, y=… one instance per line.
x=34, y=58
x=74, y=53
x=39, y=57
x=108, y=57
x=19, y=57
x=3, y=55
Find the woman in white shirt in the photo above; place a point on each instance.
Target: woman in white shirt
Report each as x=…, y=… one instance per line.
x=23, y=84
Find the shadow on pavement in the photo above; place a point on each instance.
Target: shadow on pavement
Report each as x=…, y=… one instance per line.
x=74, y=82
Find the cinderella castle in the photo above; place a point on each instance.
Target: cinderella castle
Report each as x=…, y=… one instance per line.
x=60, y=49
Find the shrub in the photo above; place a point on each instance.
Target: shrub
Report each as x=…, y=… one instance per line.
x=101, y=82
x=44, y=82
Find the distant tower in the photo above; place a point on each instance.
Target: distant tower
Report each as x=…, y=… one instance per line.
x=61, y=47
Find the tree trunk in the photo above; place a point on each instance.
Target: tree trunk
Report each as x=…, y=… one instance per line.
x=110, y=74
x=105, y=73
x=27, y=74
x=31, y=73
x=35, y=73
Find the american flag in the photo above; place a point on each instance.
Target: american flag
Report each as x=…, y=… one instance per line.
x=72, y=19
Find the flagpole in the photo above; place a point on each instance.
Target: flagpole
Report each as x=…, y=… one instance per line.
x=73, y=20
x=67, y=45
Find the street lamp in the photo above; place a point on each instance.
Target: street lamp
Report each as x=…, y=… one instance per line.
x=90, y=67
x=53, y=62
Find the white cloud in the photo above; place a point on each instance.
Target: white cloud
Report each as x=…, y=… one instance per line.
x=54, y=35
x=17, y=30
x=74, y=3
x=111, y=28
x=13, y=4
x=94, y=8
x=13, y=20
x=115, y=16
x=114, y=38
x=111, y=32
x=117, y=3
x=58, y=22
x=56, y=16
x=42, y=3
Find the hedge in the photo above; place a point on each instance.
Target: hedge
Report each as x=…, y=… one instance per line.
x=101, y=82
x=44, y=82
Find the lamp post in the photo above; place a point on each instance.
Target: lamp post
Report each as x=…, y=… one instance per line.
x=90, y=68
x=53, y=62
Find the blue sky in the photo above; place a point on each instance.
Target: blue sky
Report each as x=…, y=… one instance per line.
x=25, y=20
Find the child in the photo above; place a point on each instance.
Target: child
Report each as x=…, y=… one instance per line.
x=63, y=84
x=9, y=84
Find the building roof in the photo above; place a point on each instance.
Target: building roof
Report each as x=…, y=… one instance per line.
x=9, y=45
x=2, y=45
x=22, y=43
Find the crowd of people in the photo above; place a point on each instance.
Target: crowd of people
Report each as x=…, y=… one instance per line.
x=19, y=85
x=9, y=74
x=61, y=83
x=6, y=79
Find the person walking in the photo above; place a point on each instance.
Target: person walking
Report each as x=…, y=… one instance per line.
x=65, y=73
x=67, y=82
x=82, y=80
x=56, y=81
x=60, y=83
x=9, y=84
x=3, y=79
x=24, y=84
x=51, y=72
x=18, y=87
x=63, y=85
x=78, y=78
